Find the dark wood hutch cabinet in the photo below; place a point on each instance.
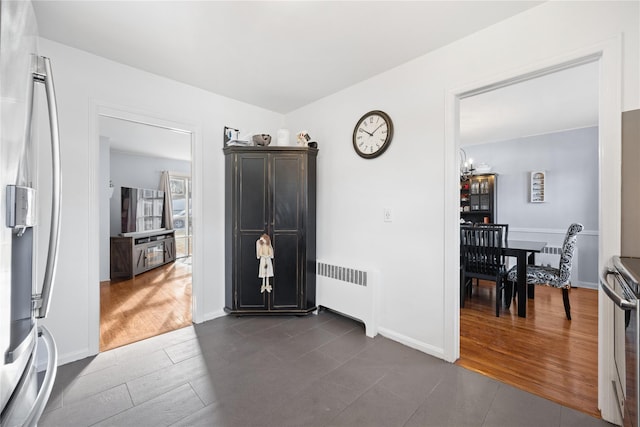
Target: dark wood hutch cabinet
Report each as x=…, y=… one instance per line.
x=478, y=198
x=270, y=190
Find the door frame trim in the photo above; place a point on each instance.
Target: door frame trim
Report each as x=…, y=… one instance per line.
x=608, y=54
x=99, y=108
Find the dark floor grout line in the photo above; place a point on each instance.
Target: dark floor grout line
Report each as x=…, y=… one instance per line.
x=133, y=404
x=359, y=397
x=424, y=401
x=493, y=400
x=204, y=405
x=341, y=362
x=117, y=413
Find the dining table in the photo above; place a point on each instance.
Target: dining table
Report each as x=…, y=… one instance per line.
x=521, y=250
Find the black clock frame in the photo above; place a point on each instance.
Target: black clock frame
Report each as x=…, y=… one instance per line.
x=387, y=141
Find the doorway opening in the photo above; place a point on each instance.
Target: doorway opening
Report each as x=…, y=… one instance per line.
x=546, y=123
x=145, y=271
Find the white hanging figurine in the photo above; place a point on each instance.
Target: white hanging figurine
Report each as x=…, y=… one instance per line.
x=264, y=252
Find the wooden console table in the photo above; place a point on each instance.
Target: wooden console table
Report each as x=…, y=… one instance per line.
x=140, y=252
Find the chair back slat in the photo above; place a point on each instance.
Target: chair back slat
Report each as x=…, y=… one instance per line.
x=481, y=251
x=505, y=230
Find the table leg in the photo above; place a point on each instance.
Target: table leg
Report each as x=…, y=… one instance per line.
x=508, y=293
x=522, y=283
x=531, y=288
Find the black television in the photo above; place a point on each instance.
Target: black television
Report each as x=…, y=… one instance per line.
x=142, y=210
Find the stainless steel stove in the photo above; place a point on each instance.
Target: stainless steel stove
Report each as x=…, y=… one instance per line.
x=621, y=284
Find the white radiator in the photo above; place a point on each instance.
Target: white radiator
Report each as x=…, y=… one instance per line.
x=349, y=291
x=550, y=256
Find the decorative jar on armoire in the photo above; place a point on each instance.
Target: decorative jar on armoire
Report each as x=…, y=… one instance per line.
x=272, y=191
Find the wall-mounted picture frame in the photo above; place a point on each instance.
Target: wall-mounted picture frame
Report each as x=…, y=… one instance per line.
x=537, y=187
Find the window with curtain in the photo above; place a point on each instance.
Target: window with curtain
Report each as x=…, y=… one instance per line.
x=181, y=206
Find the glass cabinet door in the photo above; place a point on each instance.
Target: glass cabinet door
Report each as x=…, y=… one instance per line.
x=154, y=255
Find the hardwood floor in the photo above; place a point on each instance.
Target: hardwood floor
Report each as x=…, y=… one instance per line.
x=150, y=304
x=543, y=353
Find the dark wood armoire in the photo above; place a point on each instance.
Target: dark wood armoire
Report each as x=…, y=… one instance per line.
x=270, y=190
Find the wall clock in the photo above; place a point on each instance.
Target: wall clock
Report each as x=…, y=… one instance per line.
x=372, y=134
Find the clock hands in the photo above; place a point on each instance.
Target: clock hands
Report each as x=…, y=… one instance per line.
x=371, y=133
x=374, y=131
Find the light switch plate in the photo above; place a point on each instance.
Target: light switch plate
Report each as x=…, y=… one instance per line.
x=388, y=216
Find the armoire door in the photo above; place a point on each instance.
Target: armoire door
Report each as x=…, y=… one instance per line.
x=286, y=188
x=252, y=222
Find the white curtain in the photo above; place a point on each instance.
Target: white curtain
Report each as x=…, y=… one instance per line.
x=165, y=185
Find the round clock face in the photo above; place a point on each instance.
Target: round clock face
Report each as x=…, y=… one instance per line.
x=372, y=134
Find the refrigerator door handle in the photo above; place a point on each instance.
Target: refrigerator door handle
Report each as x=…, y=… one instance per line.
x=49, y=378
x=17, y=413
x=44, y=75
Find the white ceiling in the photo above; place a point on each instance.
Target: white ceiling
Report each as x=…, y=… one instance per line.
x=143, y=139
x=563, y=100
x=282, y=55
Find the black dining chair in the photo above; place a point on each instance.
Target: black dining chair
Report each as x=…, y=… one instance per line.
x=505, y=238
x=481, y=258
x=551, y=276
x=505, y=230
x=465, y=285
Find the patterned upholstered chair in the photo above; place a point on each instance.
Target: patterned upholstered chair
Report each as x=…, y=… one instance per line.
x=550, y=276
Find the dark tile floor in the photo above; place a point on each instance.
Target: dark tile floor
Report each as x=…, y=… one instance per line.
x=286, y=371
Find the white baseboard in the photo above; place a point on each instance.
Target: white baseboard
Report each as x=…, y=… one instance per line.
x=413, y=343
x=63, y=359
x=214, y=315
x=587, y=285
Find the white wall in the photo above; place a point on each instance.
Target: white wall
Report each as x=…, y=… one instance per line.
x=138, y=171
x=410, y=176
x=570, y=159
x=83, y=80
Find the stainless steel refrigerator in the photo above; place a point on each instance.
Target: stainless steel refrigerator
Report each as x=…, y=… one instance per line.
x=24, y=344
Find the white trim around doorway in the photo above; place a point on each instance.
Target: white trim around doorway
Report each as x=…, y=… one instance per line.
x=99, y=108
x=609, y=57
